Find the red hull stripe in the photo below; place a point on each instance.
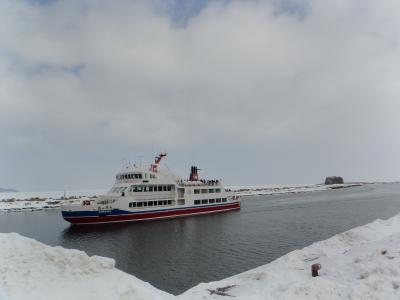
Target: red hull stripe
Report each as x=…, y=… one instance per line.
x=152, y=215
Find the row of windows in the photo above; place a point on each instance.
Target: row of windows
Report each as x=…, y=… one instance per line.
x=135, y=176
x=205, y=191
x=152, y=203
x=144, y=188
x=130, y=176
x=106, y=201
x=150, y=188
x=210, y=201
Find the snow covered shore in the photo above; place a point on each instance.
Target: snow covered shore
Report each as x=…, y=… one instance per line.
x=363, y=263
x=32, y=270
x=33, y=201
x=287, y=189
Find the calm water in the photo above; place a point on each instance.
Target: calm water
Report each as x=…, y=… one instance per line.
x=175, y=255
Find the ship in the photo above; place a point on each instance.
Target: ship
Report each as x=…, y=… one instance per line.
x=143, y=193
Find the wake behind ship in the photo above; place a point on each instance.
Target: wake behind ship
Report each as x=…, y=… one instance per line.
x=141, y=193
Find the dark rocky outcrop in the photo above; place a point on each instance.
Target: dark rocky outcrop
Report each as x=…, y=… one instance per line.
x=334, y=180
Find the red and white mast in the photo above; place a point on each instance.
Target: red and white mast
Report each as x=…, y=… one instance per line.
x=157, y=160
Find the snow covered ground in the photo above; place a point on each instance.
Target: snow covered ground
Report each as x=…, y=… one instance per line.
x=32, y=270
x=363, y=263
x=287, y=189
x=50, y=194
x=17, y=206
x=32, y=201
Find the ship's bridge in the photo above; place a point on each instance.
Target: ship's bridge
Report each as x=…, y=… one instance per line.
x=142, y=174
x=134, y=172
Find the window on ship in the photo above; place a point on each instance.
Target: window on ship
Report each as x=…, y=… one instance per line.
x=154, y=203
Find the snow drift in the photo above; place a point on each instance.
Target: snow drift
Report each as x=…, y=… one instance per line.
x=32, y=270
x=362, y=263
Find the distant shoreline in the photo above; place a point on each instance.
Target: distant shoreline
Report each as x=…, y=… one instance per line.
x=7, y=190
x=36, y=201
x=289, y=189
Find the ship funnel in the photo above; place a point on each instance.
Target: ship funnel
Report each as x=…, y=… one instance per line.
x=193, y=174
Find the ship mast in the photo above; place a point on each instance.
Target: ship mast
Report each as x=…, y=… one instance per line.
x=157, y=160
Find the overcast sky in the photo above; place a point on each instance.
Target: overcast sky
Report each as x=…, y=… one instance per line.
x=253, y=92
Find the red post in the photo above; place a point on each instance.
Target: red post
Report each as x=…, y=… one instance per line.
x=314, y=269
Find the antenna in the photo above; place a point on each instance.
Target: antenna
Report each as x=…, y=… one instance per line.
x=168, y=169
x=139, y=160
x=123, y=161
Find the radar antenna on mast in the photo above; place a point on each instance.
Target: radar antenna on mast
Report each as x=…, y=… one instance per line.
x=154, y=166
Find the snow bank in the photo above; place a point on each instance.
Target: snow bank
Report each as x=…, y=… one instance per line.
x=50, y=194
x=363, y=263
x=17, y=206
x=32, y=270
x=287, y=189
x=33, y=201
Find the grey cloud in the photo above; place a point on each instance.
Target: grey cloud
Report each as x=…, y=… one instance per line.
x=93, y=79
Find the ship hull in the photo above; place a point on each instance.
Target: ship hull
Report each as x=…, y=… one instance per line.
x=114, y=216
